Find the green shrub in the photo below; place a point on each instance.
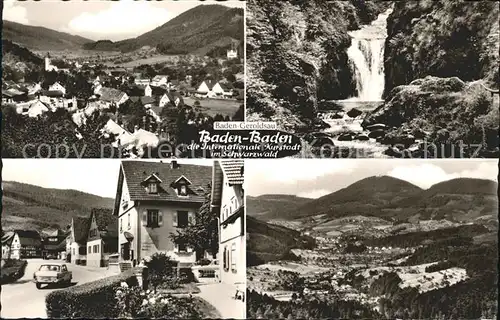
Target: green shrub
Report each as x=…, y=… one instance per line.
x=90, y=300
x=160, y=269
x=12, y=270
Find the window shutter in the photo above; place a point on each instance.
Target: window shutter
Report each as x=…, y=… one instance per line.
x=160, y=218
x=174, y=216
x=192, y=218
x=144, y=218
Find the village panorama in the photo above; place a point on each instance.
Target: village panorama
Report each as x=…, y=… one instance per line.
x=153, y=239
x=66, y=96
x=376, y=239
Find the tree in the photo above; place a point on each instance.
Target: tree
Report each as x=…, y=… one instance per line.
x=203, y=233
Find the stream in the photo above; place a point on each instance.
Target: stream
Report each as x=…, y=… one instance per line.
x=366, y=57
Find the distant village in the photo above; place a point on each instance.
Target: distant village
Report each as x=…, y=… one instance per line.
x=85, y=89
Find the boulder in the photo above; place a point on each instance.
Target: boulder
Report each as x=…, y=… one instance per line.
x=376, y=134
x=337, y=115
x=345, y=137
x=376, y=126
x=362, y=137
x=354, y=113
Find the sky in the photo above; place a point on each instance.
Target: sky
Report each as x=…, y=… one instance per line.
x=101, y=19
x=313, y=178
x=95, y=176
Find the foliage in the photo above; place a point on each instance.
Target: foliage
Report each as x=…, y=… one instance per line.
x=265, y=307
x=161, y=269
x=12, y=270
x=203, y=233
x=136, y=303
x=90, y=300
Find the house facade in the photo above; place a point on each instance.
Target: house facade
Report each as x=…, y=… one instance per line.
x=154, y=200
x=228, y=199
x=159, y=80
x=102, y=237
x=26, y=244
x=57, y=87
x=77, y=242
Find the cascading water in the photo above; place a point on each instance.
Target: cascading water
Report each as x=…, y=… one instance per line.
x=366, y=55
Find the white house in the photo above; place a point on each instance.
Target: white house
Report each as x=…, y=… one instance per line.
x=148, y=91
x=35, y=109
x=209, y=89
x=155, y=199
x=58, y=87
x=232, y=54
x=228, y=199
x=175, y=99
x=159, y=80
x=77, y=239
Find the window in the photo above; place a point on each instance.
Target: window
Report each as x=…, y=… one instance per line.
x=74, y=251
x=121, y=225
x=153, y=187
x=152, y=218
x=182, y=219
x=233, y=257
x=128, y=218
x=182, y=191
x=224, y=259
x=93, y=232
x=182, y=247
x=90, y=249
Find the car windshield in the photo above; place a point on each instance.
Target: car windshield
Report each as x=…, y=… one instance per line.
x=47, y=267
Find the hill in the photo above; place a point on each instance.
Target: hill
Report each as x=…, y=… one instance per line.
x=33, y=207
x=17, y=61
x=196, y=31
x=459, y=200
x=40, y=38
x=273, y=206
x=268, y=242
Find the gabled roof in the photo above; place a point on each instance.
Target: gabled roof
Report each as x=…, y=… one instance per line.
x=133, y=173
x=233, y=171
x=210, y=83
x=159, y=77
x=107, y=223
x=153, y=175
x=182, y=178
x=110, y=94
x=143, y=99
x=81, y=227
x=29, y=237
x=53, y=93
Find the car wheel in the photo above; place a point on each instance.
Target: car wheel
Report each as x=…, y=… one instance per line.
x=38, y=285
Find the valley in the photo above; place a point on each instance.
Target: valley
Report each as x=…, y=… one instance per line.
x=380, y=253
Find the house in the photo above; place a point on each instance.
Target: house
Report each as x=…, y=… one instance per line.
x=102, y=237
x=153, y=200
x=110, y=96
x=57, y=87
x=26, y=244
x=228, y=198
x=146, y=101
x=77, y=240
x=142, y=82
x=227, y=90
x=148, y=91
x=159, y=80
x=34, y=109
x=13, y=95
x=7, y=244
x=172, y=97
x=114, y=129
x=212, y=89
x=53, y=245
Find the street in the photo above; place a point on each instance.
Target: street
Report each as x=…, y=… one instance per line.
x=221, y=297
x=22, y=299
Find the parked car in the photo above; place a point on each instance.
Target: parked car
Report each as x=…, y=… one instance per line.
x=56, y=273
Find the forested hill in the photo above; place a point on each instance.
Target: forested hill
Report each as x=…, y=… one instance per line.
x=198, y=31
x=28, y=206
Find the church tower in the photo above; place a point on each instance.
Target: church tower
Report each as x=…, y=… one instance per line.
x=47, y=62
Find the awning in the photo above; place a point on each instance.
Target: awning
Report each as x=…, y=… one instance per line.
x=128, y=236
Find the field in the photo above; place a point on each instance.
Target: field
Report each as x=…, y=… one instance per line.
x=216, y=106
x=151, y=61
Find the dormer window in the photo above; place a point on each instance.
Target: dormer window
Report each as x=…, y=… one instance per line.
x=153, y=187
x=181, y=186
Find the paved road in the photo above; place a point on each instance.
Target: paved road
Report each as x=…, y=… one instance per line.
x=221, y=296
x=22, y=299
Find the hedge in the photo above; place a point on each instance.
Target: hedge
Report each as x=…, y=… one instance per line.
x=90, y=300
x=12, y=270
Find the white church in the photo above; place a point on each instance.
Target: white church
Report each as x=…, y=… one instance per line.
x=48, y=64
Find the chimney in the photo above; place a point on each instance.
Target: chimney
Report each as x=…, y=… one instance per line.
x=174, y=164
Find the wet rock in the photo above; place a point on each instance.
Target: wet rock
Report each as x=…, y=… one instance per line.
x=337, y=115
x=393, y=152
x=346, y=137
x=377, y=126
x=376, y=134
x=354, y=113
x=362, y=137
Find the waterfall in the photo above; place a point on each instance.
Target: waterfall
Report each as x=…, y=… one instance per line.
x=366, y=57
